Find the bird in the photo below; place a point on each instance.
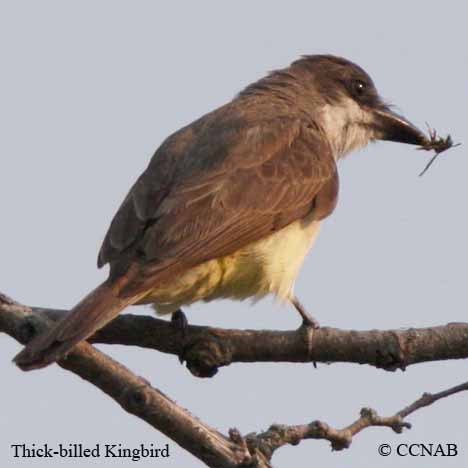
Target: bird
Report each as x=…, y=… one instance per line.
x=229, y=205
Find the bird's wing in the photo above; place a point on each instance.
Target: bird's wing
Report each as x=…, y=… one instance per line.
x=224, y=188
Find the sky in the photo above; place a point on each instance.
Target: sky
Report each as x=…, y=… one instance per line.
x=90, y=89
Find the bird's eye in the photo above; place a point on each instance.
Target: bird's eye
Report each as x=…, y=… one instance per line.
x=359, y=87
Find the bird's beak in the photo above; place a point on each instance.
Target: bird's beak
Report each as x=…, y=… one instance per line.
x=393, y=127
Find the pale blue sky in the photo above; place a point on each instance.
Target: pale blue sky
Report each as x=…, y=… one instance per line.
x=89, y=89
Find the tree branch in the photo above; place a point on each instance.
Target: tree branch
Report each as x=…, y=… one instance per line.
x=135, y=395
x=206, y=349
x=279, y=435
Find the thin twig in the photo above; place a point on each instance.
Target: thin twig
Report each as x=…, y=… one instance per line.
x=279, y=435
x=429, y=398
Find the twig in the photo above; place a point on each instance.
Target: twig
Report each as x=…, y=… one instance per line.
x=429, y=398
x=279, y=435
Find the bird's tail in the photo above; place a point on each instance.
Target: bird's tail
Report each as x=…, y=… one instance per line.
x=90, y=314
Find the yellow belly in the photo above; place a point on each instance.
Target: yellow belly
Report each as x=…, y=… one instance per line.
x=269, y=265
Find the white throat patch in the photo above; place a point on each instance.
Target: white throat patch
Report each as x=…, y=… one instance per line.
x=346, y=126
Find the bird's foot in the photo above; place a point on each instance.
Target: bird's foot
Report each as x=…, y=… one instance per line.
x=309, y=325
x=307, y=320
x=179, y=320
x=180, y=323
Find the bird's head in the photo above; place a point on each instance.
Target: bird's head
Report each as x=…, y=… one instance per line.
x=345, y=103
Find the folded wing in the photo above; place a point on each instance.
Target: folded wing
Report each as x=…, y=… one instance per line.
x=212, y=188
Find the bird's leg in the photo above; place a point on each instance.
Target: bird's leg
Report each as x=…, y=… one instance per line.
x=307, y=320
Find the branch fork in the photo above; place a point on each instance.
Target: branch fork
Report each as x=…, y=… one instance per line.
x=206, y=349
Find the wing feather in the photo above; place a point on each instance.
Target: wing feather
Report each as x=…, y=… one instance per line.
x=198, y=201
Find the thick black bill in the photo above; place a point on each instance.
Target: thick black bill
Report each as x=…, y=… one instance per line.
x=394, y=127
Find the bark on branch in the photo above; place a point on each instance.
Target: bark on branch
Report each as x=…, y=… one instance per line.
x=138, y=397
x=206, y=349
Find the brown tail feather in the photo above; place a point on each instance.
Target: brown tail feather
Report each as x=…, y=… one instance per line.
x=92, y=313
